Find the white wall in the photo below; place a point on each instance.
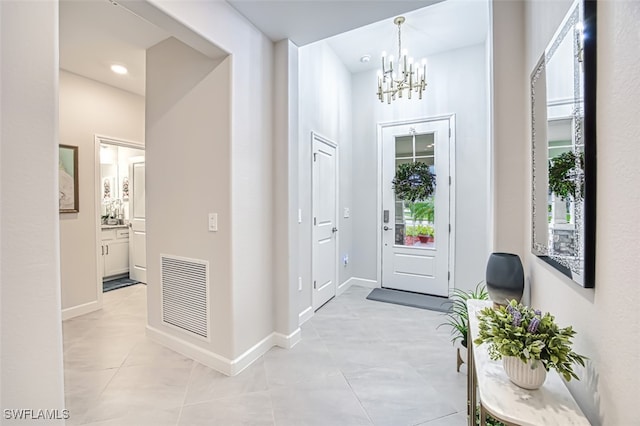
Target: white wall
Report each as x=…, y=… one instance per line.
x=88, y=108
x=31, y=339
x=251, y=190
x=509, y=152
x=456, y=84
x=285, y=163
x=188, y=176
x=325, y=108
x=606, y=318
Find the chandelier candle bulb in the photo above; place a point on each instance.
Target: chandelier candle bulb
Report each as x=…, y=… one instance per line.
x=424, y=69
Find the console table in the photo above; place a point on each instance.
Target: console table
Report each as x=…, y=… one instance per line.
x=496, y=395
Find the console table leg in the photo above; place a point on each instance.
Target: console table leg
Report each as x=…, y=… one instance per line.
x=483, y=416
x=471, y=386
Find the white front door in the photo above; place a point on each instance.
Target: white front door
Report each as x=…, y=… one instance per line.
x=325, y=191
x=138, y=234
x=416, y=237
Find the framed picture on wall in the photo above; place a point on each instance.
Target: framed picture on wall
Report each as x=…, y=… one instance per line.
x=68, y=179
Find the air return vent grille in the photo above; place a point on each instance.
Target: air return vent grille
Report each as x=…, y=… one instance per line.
x=185, y=301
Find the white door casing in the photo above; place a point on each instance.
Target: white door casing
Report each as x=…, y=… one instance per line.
x=324, y=179
x=408, y=264
x=137, y=222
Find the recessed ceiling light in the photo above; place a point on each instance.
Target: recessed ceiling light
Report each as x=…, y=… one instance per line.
x=365, y=58
x=119, y=69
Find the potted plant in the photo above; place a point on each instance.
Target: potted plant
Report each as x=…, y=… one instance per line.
x=457, y=319
x=421, y=230
x=429, y=232
x=419, y=212
x=425, y=233
x=523, y=336
x=411, y=235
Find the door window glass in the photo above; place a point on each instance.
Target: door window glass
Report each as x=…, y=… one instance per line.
x=415, y=222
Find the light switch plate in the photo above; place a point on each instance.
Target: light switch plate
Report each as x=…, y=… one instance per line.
x=299, y=215
x=347, y=212
x=213, y=222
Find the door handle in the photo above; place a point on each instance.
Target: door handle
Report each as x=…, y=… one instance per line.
x=102, y=250
x=386, y=228
x=334, y=230
x=107, y=250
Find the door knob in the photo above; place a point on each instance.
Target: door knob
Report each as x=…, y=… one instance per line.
x=334, y=230
x=386, y=228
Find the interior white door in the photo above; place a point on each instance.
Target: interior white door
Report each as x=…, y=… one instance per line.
x=411, y=260
x=325, y=191
x=137, y=212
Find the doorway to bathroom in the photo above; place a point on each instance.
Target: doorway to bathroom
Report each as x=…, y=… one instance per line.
x=120, y=203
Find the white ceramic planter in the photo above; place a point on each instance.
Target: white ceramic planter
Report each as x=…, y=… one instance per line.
x=461, y=356
x=524, y=374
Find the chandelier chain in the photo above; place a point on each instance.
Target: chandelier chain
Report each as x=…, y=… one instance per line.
x=399, y=41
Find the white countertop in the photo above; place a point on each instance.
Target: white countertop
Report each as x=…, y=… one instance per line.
x=550, y=405
x=114, y=226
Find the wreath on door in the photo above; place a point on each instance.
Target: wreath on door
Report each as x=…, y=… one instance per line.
x=414, y=182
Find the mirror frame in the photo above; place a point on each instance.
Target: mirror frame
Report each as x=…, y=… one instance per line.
x=589, y=63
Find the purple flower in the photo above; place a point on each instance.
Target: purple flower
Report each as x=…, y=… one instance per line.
x=517, y=318
x=538, y=312
x=511, y=309
x=533, y=325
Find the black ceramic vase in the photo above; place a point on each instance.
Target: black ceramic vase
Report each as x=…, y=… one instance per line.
x=505, y=278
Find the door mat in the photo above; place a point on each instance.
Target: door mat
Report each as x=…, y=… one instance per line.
x=118, y=283
x=407, y=298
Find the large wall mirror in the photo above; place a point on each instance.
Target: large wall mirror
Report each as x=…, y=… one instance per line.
x=563, y=89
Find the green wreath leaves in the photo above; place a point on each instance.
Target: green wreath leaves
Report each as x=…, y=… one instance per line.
x=566, y=175
x=414, y=182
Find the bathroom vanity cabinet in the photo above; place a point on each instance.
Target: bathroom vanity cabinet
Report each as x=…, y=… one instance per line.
x=115, y=250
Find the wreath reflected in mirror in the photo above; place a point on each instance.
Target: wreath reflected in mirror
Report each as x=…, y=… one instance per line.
x=414, y=182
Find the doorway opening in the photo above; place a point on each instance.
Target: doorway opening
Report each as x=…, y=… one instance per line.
x=121, y=230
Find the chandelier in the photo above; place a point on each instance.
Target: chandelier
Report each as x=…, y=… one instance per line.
x=407, y=75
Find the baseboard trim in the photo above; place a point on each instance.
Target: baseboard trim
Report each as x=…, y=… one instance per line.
x=76, y=311
x=218, y=362
x=252, y=354
x=288, y=342
x=305, y=315
x=203, y=356
x=344, y=286
x=363, y=282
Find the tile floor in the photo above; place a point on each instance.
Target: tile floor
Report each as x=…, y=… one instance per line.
x=359, y=363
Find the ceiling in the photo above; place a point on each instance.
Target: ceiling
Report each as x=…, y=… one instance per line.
x=94, y=34
x=304, y=21
x=442, y=27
